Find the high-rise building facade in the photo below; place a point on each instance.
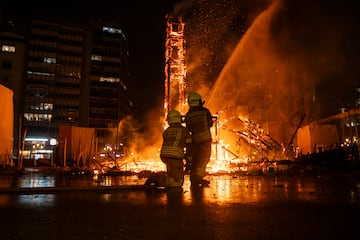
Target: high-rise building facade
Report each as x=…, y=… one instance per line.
x=12, y=54
x=74, y=73
x=108, y=74
x=53, y=76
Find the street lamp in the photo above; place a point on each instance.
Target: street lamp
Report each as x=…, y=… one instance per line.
x=53, y=143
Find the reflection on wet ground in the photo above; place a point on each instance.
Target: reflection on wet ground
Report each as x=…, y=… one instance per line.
x=232, y=207
x=38, y=179
x=255, y=189
x=224, y=189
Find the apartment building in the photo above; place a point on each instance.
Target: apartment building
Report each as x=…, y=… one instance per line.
x=73, y=73
x=12, y=55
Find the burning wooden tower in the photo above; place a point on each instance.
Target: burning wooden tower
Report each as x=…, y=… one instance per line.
x=175, y=71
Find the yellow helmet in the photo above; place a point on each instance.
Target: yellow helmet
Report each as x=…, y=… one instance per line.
x=194, y=99
x=173, y=116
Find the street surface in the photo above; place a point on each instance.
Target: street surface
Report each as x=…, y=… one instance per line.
x=232, y=207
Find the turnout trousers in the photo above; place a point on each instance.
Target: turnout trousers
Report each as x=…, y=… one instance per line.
x=201, y=153
x=175, y=172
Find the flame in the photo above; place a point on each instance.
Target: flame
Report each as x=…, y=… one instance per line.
x=238, y=142
x=252, y=148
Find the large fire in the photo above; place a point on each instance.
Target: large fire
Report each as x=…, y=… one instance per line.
x=262, y=93
x=238, y=142
x=253, y=149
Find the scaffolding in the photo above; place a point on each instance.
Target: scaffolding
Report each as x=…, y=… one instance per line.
x=175, y=70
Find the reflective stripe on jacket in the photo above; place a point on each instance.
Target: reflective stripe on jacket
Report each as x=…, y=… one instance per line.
x=175, y=140
x=199, y=121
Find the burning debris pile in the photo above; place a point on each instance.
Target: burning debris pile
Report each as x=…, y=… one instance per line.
x=256, y=138
x=242, y=146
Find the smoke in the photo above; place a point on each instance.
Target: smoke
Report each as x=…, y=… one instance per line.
x=142, y=137
x=181, y=6
x=324, y=38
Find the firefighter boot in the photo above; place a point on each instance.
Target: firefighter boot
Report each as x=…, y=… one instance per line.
x=171, y=182
x=199, y=182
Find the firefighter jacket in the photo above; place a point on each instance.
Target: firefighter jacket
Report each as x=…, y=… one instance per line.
x=199, y=121
x=176, y=142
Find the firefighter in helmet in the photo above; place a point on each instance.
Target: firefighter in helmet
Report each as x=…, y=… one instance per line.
x=198, y=121
x=176, y=148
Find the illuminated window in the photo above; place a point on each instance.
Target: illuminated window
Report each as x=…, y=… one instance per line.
x=34, y=117
x=48, y=106
x=123, y=85
x=111, y=30
x=71, y=119
x=109, y=79
x=50, y=60
x=96, y=57
x=7, y=48
x=40, y=73
x=42, y=106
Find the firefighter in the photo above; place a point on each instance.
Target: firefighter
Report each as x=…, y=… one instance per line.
x=176, y=148
x=198, y=121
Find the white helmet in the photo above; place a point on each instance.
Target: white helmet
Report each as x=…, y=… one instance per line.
x=194, y=99
x=173, y=116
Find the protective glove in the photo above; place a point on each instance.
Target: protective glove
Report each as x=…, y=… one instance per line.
x=187, y=168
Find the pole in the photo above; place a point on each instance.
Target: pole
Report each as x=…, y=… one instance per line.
x=65, y=142
x=52, y=156
x=116, y=143
x=19, y=141
x=22, y=148
x=297, y=128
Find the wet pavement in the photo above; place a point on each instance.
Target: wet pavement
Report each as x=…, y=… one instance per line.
x=232, y=207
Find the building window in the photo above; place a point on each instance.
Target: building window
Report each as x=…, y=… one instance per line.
x=6, y=65
x=123, y=85
x=7, y=48
x=50, y=60
x=35, y=117
x=109, y=79
x=42, y=106
x=95, y=57
x=111, y=30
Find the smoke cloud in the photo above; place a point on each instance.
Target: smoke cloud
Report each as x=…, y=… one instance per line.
x=143, y=138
